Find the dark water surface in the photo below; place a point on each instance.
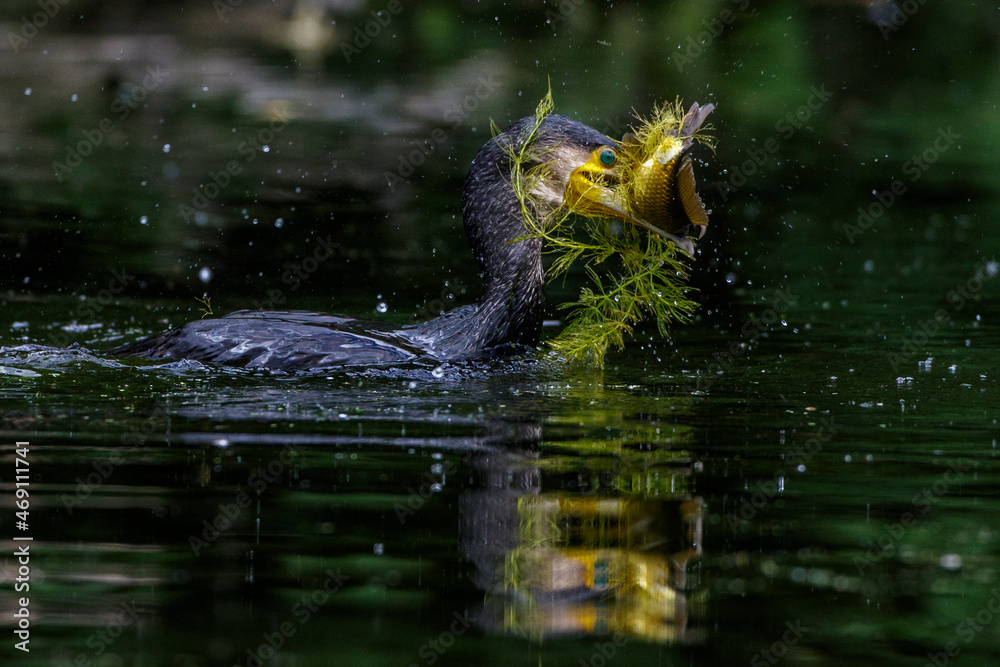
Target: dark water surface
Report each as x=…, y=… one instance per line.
x=806, y=474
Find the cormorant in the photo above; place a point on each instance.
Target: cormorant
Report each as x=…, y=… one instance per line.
x=508, y=317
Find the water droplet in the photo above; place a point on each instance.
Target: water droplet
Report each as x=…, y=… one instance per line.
x=438, y=372
x=205, y=274
x=74, y=97
x=166, y=148
x=27, y=91
x=951, y=561
x=279, y=223
x=143, y=220
x=266, y=149
x=382, y=307
x=378, y=549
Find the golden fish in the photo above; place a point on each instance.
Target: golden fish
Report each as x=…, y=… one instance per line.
x=659, y=182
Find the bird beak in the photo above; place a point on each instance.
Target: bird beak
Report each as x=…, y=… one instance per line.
x=591, y=192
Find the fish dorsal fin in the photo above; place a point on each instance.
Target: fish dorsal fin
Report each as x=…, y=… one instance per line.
x=629, y=146
x=693, y=206
x=693, y=119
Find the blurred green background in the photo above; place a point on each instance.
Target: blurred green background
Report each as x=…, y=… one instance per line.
x=359, y=115
x=153, y=153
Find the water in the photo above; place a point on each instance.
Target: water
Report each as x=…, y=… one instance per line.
x=806, y=474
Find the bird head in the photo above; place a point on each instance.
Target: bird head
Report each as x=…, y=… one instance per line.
x=589, y=174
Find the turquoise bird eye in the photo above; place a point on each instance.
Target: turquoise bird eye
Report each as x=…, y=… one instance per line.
x=607, y=156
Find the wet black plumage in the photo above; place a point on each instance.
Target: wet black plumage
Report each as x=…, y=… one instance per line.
x=507, y=317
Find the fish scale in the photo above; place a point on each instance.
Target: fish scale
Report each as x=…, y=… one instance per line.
x=663, y=188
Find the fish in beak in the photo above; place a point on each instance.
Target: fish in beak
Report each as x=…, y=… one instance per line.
x=647, y=180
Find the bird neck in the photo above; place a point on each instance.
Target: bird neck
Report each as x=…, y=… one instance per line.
x=511, y=308
x=508, y=314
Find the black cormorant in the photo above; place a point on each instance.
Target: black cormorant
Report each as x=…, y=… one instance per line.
x=508, y=316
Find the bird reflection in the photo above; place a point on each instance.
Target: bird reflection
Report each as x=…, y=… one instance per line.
x=611, y=550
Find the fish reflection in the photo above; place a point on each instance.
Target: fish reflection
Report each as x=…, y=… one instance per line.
x=611, y=550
